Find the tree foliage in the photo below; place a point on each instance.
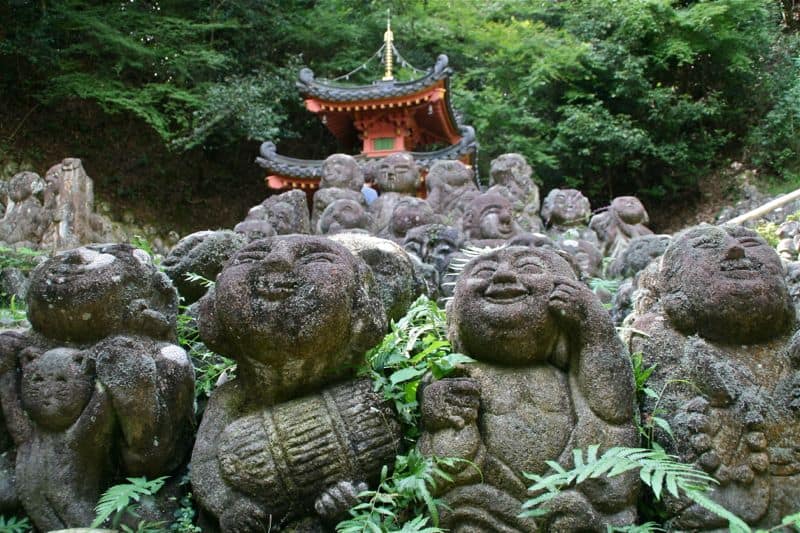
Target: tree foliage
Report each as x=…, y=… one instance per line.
x=606, y=95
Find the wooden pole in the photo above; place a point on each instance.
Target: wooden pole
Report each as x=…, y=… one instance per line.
x=759, y=212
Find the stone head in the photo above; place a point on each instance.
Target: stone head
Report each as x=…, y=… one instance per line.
x=398, y=173
x=566, y=207
x=286, y=212
x=254, y=229
x=726, y=284
x=639, y=253
x=512, y=171
x=56, y=386
x=500, y=309
x=434, y=244
x=297, y=300
x=94, y=291
x=585, y=254
x=410, y=213
x=448, y=174
x=393, y=269
x=343, y=215
x=630, y=210
x=532, y=240
x=490, y=216
x=25, y=185
x=341, y=171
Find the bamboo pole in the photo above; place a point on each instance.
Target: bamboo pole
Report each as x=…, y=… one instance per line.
x=759, y=212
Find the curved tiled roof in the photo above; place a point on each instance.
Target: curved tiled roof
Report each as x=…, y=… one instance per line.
x=332, y=92
x=312, y=168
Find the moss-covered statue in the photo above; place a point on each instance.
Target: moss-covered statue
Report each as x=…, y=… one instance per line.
x=342, y=179
x=97, y=390
x=551, y=376
x=725, y=324
x=512, y=177
x=397, y=178
x=294, y=435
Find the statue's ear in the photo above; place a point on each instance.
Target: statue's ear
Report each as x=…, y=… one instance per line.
x=29, y=355
x=208, y=323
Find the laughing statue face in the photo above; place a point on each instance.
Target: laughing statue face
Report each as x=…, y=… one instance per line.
x=500, y=311
x=726, y=284
x=398, y=173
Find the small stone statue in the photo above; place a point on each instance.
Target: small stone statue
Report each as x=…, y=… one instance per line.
x=585, y=254
x=97, y=389
x=342, y=179
x=294, y=435
x=202, y=253
x=25, y=219
x=343, y=216
x=725, y=324
x=551, y=376
x=433, y=245
x=512, y=172
x=624, y=220
x=398, y=177
x=639, y=253
x=287, y=213
x=409, y=213
x=489, y=220
x=566, y=213
x=451, y=189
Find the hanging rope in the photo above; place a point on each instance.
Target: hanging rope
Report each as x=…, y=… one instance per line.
x=362, y=66
x=405, y=63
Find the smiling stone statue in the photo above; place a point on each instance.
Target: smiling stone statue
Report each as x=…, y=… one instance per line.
x=551, y=376
x=723, y=325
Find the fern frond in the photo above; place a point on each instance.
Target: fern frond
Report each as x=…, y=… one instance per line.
x=119, y=497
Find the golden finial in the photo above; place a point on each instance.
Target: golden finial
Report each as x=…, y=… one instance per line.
x=388, y=37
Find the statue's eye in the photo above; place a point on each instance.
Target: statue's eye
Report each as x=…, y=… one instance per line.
x=318, y=257
x=749, y=242
x=484, y=270
x=528, y=265
x=704, y=242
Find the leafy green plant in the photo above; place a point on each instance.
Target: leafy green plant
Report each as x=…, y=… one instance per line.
x=662, y=473
x=208, y=365
x=14, y=314
x=402, y=501
x=641, y=374
x=769, y=232
x=416, y=345
x=14, y=524
x=197, y=278
x=24, y=259
x=184, y=517
x=119, y=500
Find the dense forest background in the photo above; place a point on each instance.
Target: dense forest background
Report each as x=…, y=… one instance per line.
x=166, y=101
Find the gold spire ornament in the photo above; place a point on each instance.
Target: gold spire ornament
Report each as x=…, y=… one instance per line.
x=388, y=37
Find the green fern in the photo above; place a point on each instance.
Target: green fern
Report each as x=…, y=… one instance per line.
x=647, y=527
x=14, y=524
x=197, y=278
x=117, y=499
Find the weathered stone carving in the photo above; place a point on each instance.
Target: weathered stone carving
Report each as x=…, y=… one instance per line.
x=433, y=245
x=724, y=323
x=398, y=177
x=203, y=253
x=512, y=172
x=551, y=376
x=566, y=213
x=585, y=254
x=97, y=389
x=342, y=179
x=25, y=219
x=254, y=229
x=283, y=440
x=393, y=269
x=639, y=253
x=343, y=215
x=624, y=220
x=451, y=189
x=489, y=220
x=287, y=213
x=409, y=213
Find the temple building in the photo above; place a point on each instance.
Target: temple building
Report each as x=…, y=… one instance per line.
x=375, y=120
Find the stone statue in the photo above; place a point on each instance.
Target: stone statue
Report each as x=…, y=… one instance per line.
x=585, y=254
x=398, y=177
x=624, y=220
x=512, y=172
x=566, y=213
x=203, y=253
x=489, y=220
x=725, y=324
x=451, y=188
x=550, y=376
x=25, y=219
x=343, y=216
x=342, y=179
x=434, y=245
x=287, y=213
x=639, y=253
x=253, y=229
x=98, y=389
x=294, y=434
x=409, y=213
x=395, y=277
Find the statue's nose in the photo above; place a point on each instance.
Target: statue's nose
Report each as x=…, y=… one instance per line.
x=280, y=258
x=504, y=274
x=734, y=251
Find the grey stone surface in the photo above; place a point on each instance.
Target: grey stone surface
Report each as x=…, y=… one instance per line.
x=280, y=441
x=409, y=213
x=344, y=215
x=203, y=253
x=287, y=213
x=398, y=177
x=585, y=254
x=551, y=376
x=342, y=172
x=25, y=218
x=639, y=253
x=513, y=173
x=489, y=220
x=434, y=245
x=566, y=214
x=96, y=390
x=451, y=189
x=724, y=323
x=324, y=198
x=624, y=220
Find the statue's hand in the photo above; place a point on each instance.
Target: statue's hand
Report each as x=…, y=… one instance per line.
x=332, y=505
x=244, y=516
x=450, y=403
x=571, y=300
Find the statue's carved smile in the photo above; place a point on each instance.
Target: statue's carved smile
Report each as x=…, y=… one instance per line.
x=276, y=289
x=505, y=293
